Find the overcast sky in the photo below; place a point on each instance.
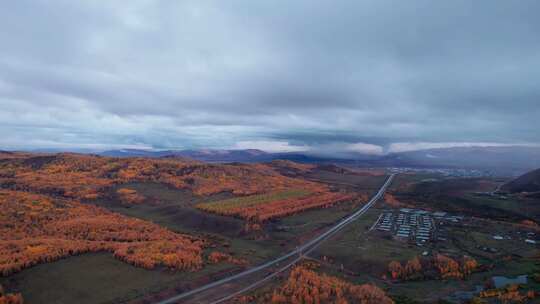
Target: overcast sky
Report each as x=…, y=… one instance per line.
x=369, y=76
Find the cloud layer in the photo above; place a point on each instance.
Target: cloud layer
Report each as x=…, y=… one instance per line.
x=353, y=75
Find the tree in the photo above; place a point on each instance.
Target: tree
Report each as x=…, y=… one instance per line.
x=395, y=269
x=413, y=268
x=307, y=286
x=468, y=265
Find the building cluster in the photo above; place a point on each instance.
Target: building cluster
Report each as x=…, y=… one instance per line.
x=413, y=224
x=528, y=237
x=446, y=172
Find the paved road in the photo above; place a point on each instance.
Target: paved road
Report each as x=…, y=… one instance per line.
x=300, y=251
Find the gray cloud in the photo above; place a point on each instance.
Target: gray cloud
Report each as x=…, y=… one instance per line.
x=304, y=73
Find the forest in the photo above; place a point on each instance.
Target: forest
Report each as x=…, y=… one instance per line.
x=80, y=177
x=305, y=285
x=437, y=267
x=10, y=298
x=47, y=212
x=36, y=229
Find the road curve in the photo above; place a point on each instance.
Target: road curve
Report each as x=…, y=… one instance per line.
x=300, y=251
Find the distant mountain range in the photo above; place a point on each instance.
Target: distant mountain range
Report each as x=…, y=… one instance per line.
x=208, y=155
x=513, y=160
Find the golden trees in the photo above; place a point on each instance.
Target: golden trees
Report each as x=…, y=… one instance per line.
x=36, y=229
x=413, y=266
x=395, y=269
x=444, y=267
x=41, y=218
x=306, y=286
x=10, y=298
x=129, y=196
x=216, y=257
x=262, y=207
x=468, y=265
x=447, y=267
x=87, y=176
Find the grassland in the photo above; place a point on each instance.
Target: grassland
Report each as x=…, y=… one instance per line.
x=461, y=196
x=96, y=278
x=524, y=207
x=361, y=183
x=364, y=254
x=174, y=209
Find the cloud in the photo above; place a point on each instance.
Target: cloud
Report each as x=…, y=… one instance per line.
x=364, y=148
x=210, y=74
x=414, y=146
x=270, y=146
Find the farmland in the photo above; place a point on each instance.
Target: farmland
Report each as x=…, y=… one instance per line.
x=229, y=206
x=263, y=207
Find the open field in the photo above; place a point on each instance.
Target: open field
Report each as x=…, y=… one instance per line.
x=172, y=208
x=462, y=196
x=361, y=252
x=362, y=183
x=96, y=278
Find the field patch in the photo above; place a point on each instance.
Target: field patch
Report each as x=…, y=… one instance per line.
x=266, y=206
x=98, y=278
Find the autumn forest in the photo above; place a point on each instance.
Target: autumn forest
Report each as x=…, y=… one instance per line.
x=47, y=211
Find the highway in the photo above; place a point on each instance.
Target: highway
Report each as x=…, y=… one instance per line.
x=299, y=251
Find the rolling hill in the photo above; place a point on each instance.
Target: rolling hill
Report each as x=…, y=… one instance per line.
x=528, y=182
x=508, y=160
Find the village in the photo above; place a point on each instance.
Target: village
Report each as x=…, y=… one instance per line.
x=415, y=225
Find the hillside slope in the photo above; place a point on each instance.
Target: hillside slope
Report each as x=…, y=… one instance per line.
x=528, y=182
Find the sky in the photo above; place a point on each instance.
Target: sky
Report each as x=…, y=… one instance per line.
x=323, y=76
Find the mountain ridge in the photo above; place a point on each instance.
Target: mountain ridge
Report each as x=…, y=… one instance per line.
x=513, y=160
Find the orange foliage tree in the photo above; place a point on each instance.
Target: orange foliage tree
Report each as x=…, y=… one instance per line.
x=307, y=286
x=216, y=257
x=395, y=269
x=254, y=209
x=447, y=267
x=129, y=196
x=35, y=228
x=443, y=266
x=10, y=298
x=87, y=176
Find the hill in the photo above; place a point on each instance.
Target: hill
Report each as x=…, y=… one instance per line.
x=49, y=205
x=218, y=156
x=507, y=160
x=83, y=176
x=528, y=182
x=207, y=155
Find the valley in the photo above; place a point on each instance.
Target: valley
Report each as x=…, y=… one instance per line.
x=183, y=200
